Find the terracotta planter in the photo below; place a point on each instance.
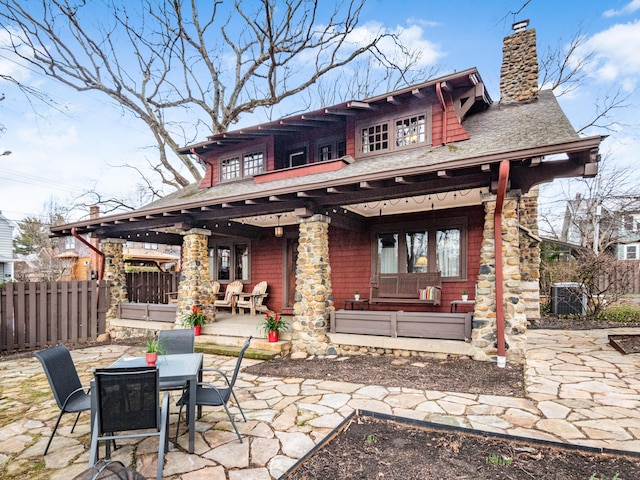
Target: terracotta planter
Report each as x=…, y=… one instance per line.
x=273, y=336
x=151, y=358
x=197, y=329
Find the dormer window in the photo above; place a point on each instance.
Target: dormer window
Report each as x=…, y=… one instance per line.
x=242, y=164
x=393, y=133
x=297, y=156
x=331, y=148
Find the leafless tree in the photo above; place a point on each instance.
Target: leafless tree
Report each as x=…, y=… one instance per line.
x=186, y=68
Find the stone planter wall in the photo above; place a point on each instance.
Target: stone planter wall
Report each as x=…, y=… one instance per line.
x=313, y=297
x=530, y=253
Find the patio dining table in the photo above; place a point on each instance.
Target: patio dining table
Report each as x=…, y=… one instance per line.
x=183, y=367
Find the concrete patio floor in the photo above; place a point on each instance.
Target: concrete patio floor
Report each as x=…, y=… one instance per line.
x=580, y=390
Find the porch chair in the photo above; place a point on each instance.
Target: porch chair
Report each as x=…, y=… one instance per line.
x=254, y=300
x=230, y=293
x=69, y=393
x=128, y=400
x=209, y=395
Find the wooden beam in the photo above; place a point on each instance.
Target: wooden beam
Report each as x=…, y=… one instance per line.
x=391, y=99
x=444, y=174
x=371, y=185
x=416, y=92
x=303, y=212
x=486, y=167
x=341, y=189
x=360, y=105
x=405, y=180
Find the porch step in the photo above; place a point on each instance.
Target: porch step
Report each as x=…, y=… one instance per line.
x=234, y=351
x=259, y=348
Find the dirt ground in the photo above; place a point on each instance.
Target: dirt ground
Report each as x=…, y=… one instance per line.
x=381, y=449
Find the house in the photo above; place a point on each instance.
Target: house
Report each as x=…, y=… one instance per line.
x=6, y=250
x=396, y=196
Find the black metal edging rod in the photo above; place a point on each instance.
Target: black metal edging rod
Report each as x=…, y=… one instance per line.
x=449, y=428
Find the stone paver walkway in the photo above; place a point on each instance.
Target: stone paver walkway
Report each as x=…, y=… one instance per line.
x=579, y=390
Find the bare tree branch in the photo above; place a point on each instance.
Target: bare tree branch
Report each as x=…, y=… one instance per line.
x=183, y=65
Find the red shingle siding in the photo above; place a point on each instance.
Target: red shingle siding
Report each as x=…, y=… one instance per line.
x=350, y=257
x=267, y=264
x=311, y=169
x=209, y=179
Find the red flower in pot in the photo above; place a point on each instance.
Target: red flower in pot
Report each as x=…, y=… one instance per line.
x=272, y=325
x=194, y=319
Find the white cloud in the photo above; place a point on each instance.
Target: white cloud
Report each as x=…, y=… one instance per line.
x=616, y=56
x=628, y=9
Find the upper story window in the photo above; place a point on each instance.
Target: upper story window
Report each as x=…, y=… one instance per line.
x=297, y=156
x=393, y=133
x=242, y=164
x=632, y=252
x=69, y=243
x=331, y=148
x=151, y=246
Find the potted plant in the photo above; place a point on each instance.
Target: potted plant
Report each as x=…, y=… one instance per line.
x=465, y=297
x=194, y=319
x=356, y=295
x=272, y=325
x=152, y=349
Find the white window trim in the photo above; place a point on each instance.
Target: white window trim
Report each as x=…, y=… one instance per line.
x=390, y=120
x=240, y=154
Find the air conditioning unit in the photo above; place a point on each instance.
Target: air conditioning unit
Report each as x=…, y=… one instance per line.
x=568, y=298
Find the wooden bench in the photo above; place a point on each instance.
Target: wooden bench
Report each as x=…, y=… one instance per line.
x=406, y=288
x=445, y=326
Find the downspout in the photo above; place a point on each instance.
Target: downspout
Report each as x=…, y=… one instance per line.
x=444, y=112
x=75, y=234
x=503, y=177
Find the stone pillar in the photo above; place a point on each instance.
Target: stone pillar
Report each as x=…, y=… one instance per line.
x=484, y=337
x=313, y=297
x=195, y=281
x=530, y=253
x=114, y=272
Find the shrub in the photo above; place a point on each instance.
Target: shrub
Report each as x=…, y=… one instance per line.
x=621, y=312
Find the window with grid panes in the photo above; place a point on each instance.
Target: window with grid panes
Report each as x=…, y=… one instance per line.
x=410, y=130
x=253, y=163
x=230, y=168
x=375, y=138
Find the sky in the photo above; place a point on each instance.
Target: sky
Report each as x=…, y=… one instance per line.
x=57, y=155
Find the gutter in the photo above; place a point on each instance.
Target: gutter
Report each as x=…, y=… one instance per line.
x=503, y=178
x=75, y=234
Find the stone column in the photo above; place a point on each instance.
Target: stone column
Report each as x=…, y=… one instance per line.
x=195, y=281
x=114, y=272
x=530, y=253
x=484, y=335
x=313, y=297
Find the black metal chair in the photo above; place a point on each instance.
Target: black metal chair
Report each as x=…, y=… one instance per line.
x=174, y=342
x=209, y=395
x=69, y=393
x=128, y=400
x=177, y=341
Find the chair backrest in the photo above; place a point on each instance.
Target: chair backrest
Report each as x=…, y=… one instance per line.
x=127, y=399
x=240, y=355
x=177, y=341
x=61, y=372
x=234, y=287
x=260, y=288
x=215, y=288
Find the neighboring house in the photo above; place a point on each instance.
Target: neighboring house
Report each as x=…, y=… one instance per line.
x=149, y=254
x=628, y=234
x=6, y=250
x=387, y=196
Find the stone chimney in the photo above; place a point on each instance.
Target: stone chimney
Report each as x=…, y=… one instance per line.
x=519, y=72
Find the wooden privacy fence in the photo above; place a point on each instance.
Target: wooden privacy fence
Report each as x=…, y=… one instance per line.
x=151, y=287
x=37, y=314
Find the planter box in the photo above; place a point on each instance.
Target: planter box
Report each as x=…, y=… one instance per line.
x=152, y=312
x=445, y=326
